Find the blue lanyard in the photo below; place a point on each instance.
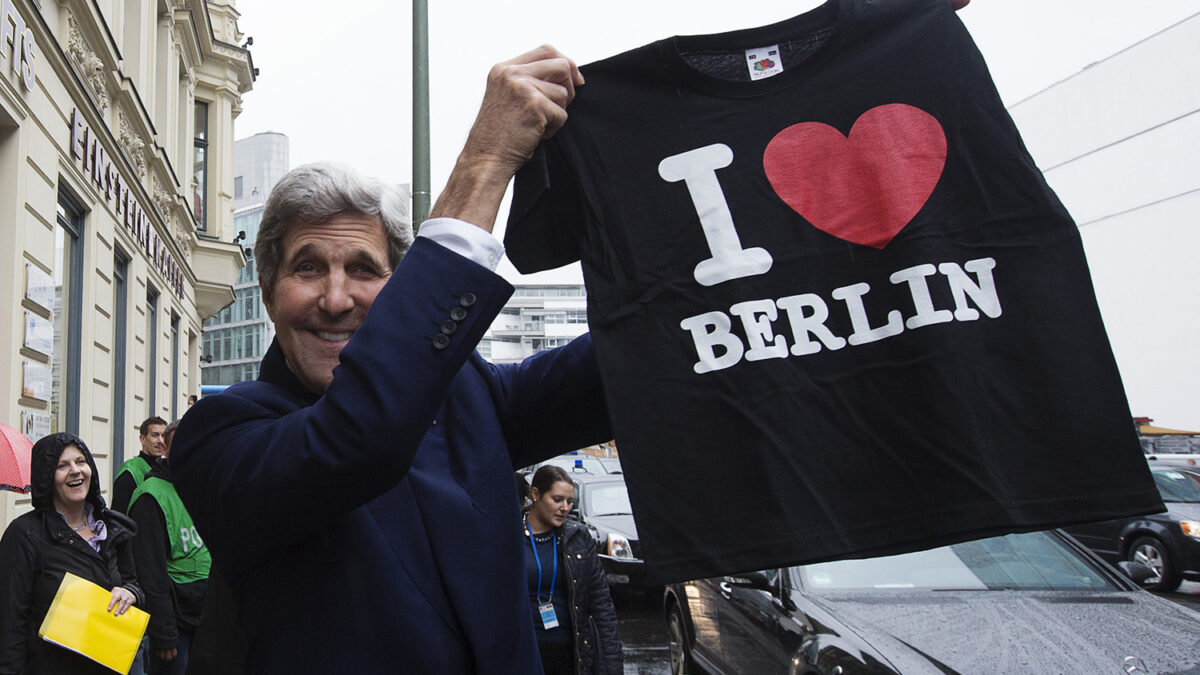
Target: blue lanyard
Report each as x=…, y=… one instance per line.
x=538, y=562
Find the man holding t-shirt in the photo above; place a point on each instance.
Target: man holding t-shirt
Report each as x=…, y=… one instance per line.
x=358, y=497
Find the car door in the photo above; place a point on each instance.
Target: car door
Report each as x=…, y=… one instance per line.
x=704, y=600
x=1103, y=537
x=758, y=632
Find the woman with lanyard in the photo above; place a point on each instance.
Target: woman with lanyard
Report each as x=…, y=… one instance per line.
x=69, y=530
x=568, y=592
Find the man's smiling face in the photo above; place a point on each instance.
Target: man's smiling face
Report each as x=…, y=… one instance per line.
x=329, y=274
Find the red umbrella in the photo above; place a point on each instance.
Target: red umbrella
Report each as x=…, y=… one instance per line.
x=15, y=451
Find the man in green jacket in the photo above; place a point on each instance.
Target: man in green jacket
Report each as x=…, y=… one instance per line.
x=173, y=565
x=133, y=471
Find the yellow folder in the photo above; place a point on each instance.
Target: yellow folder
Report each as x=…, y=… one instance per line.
x=78, y=620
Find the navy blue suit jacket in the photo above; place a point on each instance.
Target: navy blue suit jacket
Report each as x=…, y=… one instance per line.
x=375, y=528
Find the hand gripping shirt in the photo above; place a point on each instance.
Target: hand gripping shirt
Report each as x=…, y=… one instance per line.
x=838, y=310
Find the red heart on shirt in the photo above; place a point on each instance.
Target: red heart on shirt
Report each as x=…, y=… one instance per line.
x=865, y=187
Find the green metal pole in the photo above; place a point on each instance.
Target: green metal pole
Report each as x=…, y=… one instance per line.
x=420, y=171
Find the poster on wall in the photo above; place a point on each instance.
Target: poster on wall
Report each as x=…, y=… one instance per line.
x=36, y=381
x=39, y=333
x=39, y=286
x=35, y=424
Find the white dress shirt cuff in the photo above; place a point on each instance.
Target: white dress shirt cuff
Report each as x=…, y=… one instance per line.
x=465, y=239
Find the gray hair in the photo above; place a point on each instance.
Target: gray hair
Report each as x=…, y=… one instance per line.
x=314, y=193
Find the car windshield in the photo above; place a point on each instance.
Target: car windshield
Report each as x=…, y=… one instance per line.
x=1178, y=486
x=1031, y=561
x=608, y=499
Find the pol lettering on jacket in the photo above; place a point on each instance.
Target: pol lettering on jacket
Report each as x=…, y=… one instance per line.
x=807, y=313
x=190, y=538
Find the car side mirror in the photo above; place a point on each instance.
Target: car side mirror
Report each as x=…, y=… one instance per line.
x=754, y=580
x=574, y=515
x=1137, y=572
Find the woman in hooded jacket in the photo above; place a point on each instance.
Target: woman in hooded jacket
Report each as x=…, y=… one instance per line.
x=69, y=530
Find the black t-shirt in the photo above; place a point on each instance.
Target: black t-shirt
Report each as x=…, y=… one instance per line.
x=838, y=311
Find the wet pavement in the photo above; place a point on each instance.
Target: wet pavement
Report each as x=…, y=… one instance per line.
x=1188, y=595
x=643, y=631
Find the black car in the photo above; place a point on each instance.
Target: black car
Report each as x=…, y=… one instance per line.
x=1169, y=543
x=602, y=504
x=1025, y=603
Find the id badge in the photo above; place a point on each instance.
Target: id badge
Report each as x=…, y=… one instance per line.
x=549, y=619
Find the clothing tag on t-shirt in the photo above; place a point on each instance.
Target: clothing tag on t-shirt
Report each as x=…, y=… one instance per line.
x=763, y=62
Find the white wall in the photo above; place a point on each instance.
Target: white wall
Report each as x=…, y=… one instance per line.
x=1120, y=144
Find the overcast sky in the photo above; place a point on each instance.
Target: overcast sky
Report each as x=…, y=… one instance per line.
x=336, y=77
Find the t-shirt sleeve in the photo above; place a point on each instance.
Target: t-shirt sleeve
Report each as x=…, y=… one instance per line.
x=546, y=219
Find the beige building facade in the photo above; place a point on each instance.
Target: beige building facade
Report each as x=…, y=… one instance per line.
x=116, y=211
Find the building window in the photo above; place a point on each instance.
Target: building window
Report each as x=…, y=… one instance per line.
x=200, y=168
x=249, y=273
x=120, y=317
x=174, y=366
x=151, y=350
x=68, y=319
x=237, y=187
x=248, y=222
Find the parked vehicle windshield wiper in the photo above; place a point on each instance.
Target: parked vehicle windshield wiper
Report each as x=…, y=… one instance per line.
x=988, y=588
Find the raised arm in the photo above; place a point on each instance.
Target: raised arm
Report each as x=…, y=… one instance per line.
x=525, y=101
x=553, y=402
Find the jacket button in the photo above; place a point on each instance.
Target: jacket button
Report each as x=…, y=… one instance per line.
x=467, y=299
x=448, y=327
x=458, y=314
x=441, y=341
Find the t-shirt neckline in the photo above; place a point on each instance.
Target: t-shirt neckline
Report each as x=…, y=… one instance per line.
x=834, y=14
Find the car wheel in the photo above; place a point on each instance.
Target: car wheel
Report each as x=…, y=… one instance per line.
x=1150, y=552
x=681, y=652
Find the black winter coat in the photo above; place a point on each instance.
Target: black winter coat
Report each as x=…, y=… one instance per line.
x=597, y=644
x=38, y=548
